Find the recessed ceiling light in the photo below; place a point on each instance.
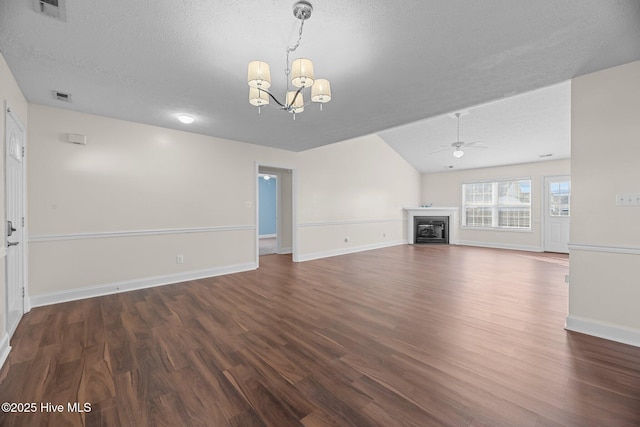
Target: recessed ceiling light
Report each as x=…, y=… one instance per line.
x=185, y=118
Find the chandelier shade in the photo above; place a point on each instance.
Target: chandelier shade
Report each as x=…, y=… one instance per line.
x=258, y=97
x=259, y=75
x=321, y=91
x=302, y=73
x=295, y=103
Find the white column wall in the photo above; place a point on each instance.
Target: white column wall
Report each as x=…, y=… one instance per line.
x=604, y=290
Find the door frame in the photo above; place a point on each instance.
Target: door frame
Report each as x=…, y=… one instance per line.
x=23, y=247
x=294, y=207
x=545, y=205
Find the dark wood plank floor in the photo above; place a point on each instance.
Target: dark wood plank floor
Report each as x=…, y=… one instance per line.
x=403, y=336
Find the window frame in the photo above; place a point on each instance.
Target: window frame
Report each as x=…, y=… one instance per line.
x=495, y=206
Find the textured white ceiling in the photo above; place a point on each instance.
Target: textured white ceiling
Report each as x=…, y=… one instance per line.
x=516, y=129
x=389, y=62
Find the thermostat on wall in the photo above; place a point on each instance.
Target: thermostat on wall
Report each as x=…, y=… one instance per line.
x=76, y=138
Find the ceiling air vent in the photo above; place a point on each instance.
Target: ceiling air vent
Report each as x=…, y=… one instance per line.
x=61, y=96
x=54, y=8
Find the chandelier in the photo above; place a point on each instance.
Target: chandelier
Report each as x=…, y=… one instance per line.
x=299, y=74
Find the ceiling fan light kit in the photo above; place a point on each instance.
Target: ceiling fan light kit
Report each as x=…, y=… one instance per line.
x=300, y=75
x=457, y=153
x=458, y=145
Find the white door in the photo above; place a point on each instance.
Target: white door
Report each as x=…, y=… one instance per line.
x=557, y=213
x=14, y=143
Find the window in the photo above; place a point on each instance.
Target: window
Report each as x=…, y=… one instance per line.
x=497, y=204
x=559, y=198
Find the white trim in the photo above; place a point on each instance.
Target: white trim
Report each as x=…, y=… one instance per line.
x=3, y=252
x=267, y=236
x=351, y=250
x=130, y=285
x=109, y=234
x=629, y=250
x=348, y=222
x=5, y=348
x=284, y=251
x=499, y=229
x=604, y=330
x=501, y=246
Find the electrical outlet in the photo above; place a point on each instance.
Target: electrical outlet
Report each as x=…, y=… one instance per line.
x=179, y=259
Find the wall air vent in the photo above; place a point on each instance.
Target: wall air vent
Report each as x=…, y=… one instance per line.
x=61, y=96
x=54, y=8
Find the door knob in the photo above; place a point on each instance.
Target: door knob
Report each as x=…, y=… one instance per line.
x=12, y=244
x=10, y=228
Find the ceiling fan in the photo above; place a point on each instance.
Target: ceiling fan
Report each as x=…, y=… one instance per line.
x=459, y=145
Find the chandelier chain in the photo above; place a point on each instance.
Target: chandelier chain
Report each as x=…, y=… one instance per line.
x=292, y=49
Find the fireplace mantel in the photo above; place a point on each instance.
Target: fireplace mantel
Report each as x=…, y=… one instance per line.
x=451, y=212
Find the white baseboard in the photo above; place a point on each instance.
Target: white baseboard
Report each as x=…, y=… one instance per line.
x=501, y=246
x=604, y=330
x=350, y=250
x=284, y=251
x=130, y=285
x=5, y=348
x=267, y=236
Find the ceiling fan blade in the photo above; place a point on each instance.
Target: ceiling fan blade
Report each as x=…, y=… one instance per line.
x=475, y=146
x=439, y=151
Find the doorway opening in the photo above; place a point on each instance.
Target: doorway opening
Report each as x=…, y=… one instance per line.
x=268, y=213
x=275, y=202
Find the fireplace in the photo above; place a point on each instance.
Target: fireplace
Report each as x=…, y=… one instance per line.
x=431, y=229
x=451, y=213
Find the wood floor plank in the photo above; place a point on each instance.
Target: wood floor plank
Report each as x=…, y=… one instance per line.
x=409, y=335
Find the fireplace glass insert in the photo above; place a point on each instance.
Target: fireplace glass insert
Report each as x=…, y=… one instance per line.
x=431, y=229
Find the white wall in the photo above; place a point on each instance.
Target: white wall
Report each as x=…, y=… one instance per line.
x=604, y=292
x=353, y=190
x=113, y=214
x=11, y=94
x=116, y=212
x=445, y=189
